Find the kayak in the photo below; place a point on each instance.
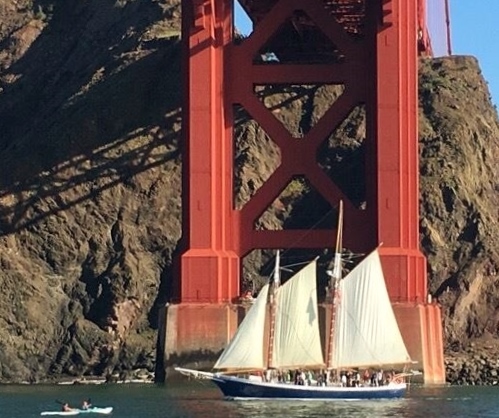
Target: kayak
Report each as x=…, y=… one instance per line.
x=76, y=411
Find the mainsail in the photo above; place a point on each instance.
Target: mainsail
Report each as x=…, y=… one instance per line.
x=366, y=331
x=297, y=340
x=245, y=350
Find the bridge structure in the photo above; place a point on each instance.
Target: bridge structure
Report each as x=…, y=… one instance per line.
x=368, y=47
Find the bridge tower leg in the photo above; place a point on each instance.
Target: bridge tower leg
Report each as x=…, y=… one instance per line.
x=206, y=273
x=379, y=70
x=397, y=176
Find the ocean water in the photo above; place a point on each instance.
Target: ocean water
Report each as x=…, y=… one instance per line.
x=194, y=399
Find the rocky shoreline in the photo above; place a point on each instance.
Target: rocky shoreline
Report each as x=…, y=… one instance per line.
x=477, y=364
x=139, y=376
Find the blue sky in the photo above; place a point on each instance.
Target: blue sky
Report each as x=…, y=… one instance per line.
x=474, y=31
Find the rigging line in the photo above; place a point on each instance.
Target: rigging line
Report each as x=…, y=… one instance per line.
x=288, y=269
x=307, y=232
x=304, y=235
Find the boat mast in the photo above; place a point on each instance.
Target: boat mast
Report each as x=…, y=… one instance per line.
x=333, y=285
x=272, y=308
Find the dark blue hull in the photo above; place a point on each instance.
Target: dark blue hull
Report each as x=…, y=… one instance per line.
x=234, y=387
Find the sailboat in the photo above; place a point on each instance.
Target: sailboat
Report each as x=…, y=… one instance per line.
x=280, y=335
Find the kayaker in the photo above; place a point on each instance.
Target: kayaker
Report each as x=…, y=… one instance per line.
x=66, y=407
x=86, y=404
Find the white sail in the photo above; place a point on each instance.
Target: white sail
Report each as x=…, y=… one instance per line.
x=366, y=332
x=297, y=340
x=245, y=350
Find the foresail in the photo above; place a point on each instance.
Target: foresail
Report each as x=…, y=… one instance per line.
x=297, y=340
x=245, y=350
x=366, y=331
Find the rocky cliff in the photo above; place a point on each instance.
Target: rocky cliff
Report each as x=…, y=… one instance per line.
x=89, y=180
x=90, y=184
x=459, y=140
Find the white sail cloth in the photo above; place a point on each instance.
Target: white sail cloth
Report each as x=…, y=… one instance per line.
x=366, y=331
x=297, y=341
x=245, y=350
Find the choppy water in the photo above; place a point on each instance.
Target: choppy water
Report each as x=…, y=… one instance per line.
x=200, y=399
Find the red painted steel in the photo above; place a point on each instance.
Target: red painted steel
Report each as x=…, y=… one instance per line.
x=210, y=266
x=379, y=70
x=379, y=40
x=396, y=154
x=298, y=157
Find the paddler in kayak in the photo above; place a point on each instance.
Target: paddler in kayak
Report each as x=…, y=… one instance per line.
x=66, y=407
x=86, y=404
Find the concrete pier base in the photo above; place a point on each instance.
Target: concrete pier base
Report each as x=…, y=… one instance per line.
x=421, y=328
x=194, y=333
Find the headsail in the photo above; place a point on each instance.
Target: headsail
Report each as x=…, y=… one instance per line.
x=297, y=340
x=245, y=350
x=367, y=333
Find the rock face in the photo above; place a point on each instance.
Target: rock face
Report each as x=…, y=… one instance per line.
x=459, y=136
x=90, y=185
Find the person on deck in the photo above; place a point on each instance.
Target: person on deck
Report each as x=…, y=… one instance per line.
x=379, y=378
x=344, y=379
x=366, y=377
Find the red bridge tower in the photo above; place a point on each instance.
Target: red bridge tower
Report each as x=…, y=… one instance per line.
x=376, y=45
